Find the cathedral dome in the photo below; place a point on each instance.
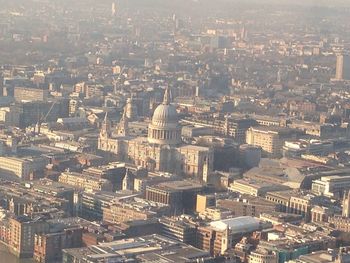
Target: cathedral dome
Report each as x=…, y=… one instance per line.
x=165, y=115
x=165, y=128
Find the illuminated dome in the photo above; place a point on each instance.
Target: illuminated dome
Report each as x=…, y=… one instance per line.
x=165, y=128
x=165, y=115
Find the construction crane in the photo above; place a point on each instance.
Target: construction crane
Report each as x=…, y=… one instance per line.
x=43, y=119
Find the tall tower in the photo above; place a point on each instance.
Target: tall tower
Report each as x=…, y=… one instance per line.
x=123, y=126
x=131, y=109
x=206, y=170
x=227, y=126
x=346, y=205
x=343, y=67
x=114, y=9
x=339, y=67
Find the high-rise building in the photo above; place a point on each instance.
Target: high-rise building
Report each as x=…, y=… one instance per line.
x=343, y=67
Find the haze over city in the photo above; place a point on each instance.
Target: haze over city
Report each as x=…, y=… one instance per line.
x=174, y=131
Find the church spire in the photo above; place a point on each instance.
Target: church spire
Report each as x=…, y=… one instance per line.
x=105, y=129
x=167, y=96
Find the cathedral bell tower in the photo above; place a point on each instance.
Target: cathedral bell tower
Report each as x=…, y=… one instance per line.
x=123, y=125
x=346, y=205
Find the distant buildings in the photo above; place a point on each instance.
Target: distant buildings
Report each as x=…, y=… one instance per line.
x=154, y=135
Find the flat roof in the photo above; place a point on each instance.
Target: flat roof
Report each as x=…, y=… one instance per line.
x=179, y=185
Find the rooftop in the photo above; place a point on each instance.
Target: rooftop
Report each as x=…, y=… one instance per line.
x=179, y=185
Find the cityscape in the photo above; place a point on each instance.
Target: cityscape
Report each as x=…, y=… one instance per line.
x=195, y=131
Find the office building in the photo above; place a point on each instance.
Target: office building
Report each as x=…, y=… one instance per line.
x=247, y=205
x=331, y=186
x=88, y=183
x=270, y=139
x=342, y=67
x=179, y=229
x=22, y=233
x=181, y=196
x=24, y=168
x=30, y=94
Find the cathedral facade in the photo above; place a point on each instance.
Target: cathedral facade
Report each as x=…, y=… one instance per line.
x=163, y=149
